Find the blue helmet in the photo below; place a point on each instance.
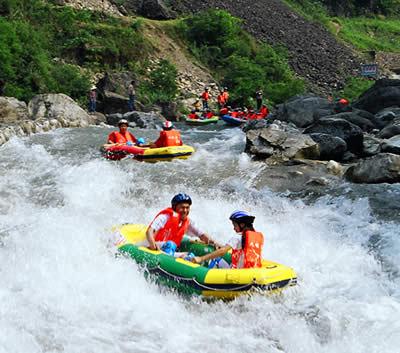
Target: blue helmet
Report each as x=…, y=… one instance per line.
x=181, y=198
x=141, y=141
x=242, y=217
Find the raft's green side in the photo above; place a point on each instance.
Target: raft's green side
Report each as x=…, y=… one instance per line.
x=200, y=249
x=201, y=122
x=156, y=264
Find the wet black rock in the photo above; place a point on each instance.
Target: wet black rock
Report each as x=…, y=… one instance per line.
x=383, y=94
x=354, y=118
x=382, y=168
x=347, y=131
x=330, y=147
x=391, y=130
x=386, y=116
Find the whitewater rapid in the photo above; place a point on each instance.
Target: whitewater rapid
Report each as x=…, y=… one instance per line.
x=63, y=290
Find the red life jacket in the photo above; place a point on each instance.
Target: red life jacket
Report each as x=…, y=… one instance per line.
x=193, y=116
x=226, y=96
x=172, y=138
x=252, y=250
x=264, y=111
x=174, y=229
x=221, y=99
x=224, y=111
x=205, y=96
x=117, y=137
x=234, y=114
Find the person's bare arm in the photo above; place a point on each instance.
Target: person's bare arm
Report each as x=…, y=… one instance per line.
x=217, y=253
x=150, y=233
x=207, y=239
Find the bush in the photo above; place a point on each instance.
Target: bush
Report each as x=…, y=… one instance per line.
x=216, y=39
x=354, y=87
x=161, y=86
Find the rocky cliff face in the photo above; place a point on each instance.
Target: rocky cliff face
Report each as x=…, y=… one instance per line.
x=314, y=52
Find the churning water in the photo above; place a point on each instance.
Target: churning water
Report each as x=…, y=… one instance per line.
x=63, y=290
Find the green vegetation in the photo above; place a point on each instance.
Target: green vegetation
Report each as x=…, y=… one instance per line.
x=217, y=40
x=364, y=33
x=41, y=46
x=354, y=87
x=161, y=86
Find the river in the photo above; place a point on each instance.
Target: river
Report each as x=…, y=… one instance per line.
x=63, y=290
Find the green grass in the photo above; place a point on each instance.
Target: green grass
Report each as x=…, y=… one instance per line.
x=371, y=33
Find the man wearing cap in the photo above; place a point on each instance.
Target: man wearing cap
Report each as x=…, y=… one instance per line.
x=168, y=137
x=123, y=136
x=92, y=99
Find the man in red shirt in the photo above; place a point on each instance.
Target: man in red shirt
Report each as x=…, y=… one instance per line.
x=168, y=137
x=123, y=136
x=205, y=96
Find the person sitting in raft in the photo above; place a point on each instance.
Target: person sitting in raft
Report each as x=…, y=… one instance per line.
x=123, y=136
x=193, y=115
x=170, y=225
x=246, y=249
x=168, y=137
x=207, y=114
x=197, y=105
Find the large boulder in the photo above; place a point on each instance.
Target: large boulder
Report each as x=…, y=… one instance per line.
x=356, y=119
x=371, y=146
x=350, y=133
x=330, y=147
x=113, y=103
x=156, y=10
x=383, y=94
x=391, y=130
x=384, y=117
x=150, y=120
x=392, y=145
x=303, y=110
x=382, y=168
x=12, y=110
x=282, y=142
x=59, y=107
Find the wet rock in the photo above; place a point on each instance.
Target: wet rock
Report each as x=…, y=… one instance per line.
x=12, y=110
x=255, y=125
x=303, y=110
x=335, y=168
x=57, y=106
x=356, y=119
x=282, y=142
x=383, y=94
x=392, y=145
x=386, y=116
x=318, y=181
x=137, y=119
x=382, y=168
x=350, y=133
x=330, y=147
x=391, y=130
x=371, y=146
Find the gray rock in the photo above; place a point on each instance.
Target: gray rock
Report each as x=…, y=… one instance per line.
x=383, y=94
x=59, y=107
x=391, y=130
x=371, y=146
x=255, y=125
x=282, y=142
x=331, y=147
x=12, y=110
x=382, y=168
x=386, y=116
x=392, y=145
x=350, y=133
x=156, y=10
x=303, y=110
x=356, y=119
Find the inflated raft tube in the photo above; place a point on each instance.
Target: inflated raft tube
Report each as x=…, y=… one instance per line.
x=212, y=120
x=148, y=154
x=230, y=120
x=189, y=278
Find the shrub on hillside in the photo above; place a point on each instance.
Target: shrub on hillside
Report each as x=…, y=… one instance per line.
x=161, y=87
x=216, y=38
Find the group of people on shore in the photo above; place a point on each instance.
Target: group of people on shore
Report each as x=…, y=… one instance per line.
x=201, y=110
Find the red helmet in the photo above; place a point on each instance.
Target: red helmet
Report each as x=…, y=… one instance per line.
x=343, y=101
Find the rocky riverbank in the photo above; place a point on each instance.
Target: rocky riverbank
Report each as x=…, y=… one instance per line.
x=360, y=142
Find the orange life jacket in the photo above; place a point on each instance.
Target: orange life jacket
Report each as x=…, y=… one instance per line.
x=226, y=96
x=174, y=229
x=252, y=250
x=205, y=96
x=172, y=138
x=224, y=111
x=234, y=114
x=117, y=137
x=221, y=99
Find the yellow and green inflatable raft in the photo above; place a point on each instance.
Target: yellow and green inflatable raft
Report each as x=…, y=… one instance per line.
x=190, y=278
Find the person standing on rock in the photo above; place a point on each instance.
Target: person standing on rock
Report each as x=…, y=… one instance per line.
x=226, y=95
x=205, y=96
x=92, y=99
x=259, y=98
x=131, y=95
x=221, y=99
